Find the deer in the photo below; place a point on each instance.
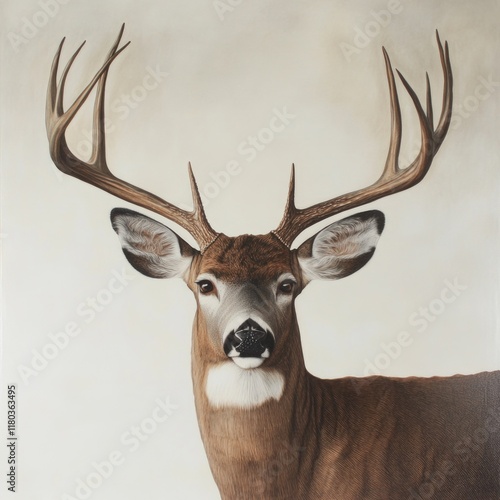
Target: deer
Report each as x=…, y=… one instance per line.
x=270, y=429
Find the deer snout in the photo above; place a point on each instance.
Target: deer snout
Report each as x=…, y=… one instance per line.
x=249, y=340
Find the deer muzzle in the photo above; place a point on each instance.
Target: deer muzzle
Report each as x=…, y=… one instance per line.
x=249, y=340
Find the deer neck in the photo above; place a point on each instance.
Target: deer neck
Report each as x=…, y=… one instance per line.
x=238, y=436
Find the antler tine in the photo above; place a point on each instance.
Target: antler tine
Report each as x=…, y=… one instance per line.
x=95, y=171
x=291, y=212
x=445, y=118
x=98, y=156
x=419, y=166
x=393, y=178
x=60, y=96
x=391, y=163
x=428, y=93
x=57, y=120
x=198, y=209
x=290, y=203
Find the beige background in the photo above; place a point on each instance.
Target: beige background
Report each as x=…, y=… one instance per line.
x=322, y=61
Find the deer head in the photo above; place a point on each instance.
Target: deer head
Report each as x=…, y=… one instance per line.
x=245, y=286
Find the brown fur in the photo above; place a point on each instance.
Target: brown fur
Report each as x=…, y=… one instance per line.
x=245, y=258
x=347, y=439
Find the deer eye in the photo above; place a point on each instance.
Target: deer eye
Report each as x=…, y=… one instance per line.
x=205, y=286
x=286, y=286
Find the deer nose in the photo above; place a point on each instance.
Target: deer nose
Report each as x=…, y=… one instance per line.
x=249, y=340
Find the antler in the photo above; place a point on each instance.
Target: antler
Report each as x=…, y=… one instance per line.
x=95, y=171
x=393, y=178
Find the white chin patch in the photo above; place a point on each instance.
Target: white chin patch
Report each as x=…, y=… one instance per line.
x=248, y=363
x=229, y=385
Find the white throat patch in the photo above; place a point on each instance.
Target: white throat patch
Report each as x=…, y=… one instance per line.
x=230, y=385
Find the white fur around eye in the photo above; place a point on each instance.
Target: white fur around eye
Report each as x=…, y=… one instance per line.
x=210, y=302
x=284, y=298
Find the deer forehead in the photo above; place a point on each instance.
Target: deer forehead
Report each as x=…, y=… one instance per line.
x=246, y=258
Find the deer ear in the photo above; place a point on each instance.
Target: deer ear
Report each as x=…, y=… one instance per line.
x=152, y=248
x=341, y=248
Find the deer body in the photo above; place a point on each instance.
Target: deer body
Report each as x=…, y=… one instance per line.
x=346, y=439
x=270, y=429
x=337, y=442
